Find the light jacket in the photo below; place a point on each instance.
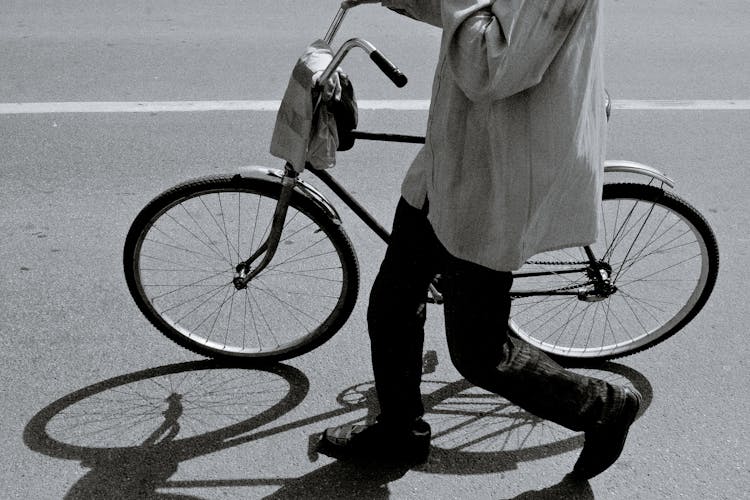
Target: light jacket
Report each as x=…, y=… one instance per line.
x=516, y=129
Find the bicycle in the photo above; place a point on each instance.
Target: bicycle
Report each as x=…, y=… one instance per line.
x=187, y=266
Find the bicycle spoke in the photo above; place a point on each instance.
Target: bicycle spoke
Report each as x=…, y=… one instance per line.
x=248, y=298
x=290, y=260
x=187, y=301
x=288, y=305
x=215, y=315
x=181, y=287
x=178, y=248
x=226, y=233
x=639, y=256
x=529, y=304
x=265, y=321
x=687, y=259
x=549, y=312
x=180, y=266
x=218, y=226
x=200, y=228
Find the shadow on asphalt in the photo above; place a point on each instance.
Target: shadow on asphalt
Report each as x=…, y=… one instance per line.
x=133, y=431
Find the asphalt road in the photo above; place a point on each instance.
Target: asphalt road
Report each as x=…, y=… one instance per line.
x=81, y=367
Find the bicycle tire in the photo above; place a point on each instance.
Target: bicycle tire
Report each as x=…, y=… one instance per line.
x=664, y=262
x=180, y=258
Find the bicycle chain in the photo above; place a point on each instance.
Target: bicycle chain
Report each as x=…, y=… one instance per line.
x=557, y=263
x=558, y=289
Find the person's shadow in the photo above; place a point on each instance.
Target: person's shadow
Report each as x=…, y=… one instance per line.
x=569, y=488
x=342, y=480
x=133, y=431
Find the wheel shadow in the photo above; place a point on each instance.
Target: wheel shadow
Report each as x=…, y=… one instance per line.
x=133, y=431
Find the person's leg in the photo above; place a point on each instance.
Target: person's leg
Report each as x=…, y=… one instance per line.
x=396, y=317
x=477, y=307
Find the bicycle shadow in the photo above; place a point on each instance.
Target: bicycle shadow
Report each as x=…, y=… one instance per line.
x=133, y=431
x=127, y=429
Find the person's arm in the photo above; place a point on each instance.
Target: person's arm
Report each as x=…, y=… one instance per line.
x=498, y=48
x=428, y=11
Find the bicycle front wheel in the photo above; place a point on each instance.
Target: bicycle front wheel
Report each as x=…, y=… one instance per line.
x=181, y=255
x=659, y=254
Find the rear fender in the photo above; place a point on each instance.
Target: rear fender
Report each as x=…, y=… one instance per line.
x=632, y=167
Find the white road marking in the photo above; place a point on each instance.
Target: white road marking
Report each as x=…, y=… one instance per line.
x=683, y=105
x=10, y=108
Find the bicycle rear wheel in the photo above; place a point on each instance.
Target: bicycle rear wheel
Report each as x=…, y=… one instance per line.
x=662, y=258
x=181, y=255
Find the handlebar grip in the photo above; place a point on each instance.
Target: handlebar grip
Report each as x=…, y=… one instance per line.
x=390, y=70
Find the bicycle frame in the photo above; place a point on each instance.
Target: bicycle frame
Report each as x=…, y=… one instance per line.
x=598, y=271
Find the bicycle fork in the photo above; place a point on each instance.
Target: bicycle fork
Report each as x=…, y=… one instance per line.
x=245, y=271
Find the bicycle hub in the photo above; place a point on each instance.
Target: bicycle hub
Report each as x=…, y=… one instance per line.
x=240, y=281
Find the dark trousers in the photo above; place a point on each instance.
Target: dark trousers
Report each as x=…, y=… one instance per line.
x=477, y=306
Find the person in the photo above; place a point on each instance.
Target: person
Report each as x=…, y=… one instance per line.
x=510, y=168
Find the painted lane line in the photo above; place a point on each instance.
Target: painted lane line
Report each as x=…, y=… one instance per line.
x=683, y=105
x=273, y=105
x=185, y=106
x=135, y=107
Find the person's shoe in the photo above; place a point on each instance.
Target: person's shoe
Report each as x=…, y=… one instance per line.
x=605, y=441
x=377, y=442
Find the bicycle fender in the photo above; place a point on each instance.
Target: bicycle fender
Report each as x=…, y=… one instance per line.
x=632, y=167
x=275, y=175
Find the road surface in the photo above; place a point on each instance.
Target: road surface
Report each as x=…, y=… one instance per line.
x=87, y=381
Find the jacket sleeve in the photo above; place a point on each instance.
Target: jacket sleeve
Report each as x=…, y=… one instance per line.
x=497, y=48
x=427, y=11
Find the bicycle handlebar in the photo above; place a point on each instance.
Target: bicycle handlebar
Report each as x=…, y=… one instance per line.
x=391, y=71
x=385, y=65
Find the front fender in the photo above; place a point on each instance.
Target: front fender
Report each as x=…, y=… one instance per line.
x=632, y=167
x=301, y=187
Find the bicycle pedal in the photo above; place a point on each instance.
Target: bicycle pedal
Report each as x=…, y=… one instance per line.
x=429, y=362
x=434, y=297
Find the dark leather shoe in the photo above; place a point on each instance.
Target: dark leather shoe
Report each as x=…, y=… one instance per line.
x=605, y=441
x=378, y=442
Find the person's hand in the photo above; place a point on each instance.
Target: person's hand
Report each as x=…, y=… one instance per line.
x=332, y=88
x=347, y=4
